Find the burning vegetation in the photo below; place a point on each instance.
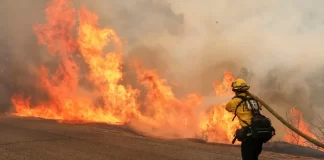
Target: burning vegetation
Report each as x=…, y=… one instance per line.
x=295, y=117
x=71, y=34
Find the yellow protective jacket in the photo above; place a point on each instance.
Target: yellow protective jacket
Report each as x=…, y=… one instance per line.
x=242, y=111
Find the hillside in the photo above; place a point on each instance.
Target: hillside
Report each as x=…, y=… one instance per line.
x=32, y=139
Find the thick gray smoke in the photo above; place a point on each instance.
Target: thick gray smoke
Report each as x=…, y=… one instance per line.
x=190, y=43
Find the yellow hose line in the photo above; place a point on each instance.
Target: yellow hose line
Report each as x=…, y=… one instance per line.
x=314, y=141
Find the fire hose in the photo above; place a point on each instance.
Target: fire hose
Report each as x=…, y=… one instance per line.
x=310, y=139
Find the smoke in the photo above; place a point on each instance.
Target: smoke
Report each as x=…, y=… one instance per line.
x=20, y=54
x=190, y=44
x=280, y=42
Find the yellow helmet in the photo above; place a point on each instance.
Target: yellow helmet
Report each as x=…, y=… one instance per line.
x=240, y=85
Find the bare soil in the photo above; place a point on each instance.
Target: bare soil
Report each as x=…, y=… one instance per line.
x=38, y=139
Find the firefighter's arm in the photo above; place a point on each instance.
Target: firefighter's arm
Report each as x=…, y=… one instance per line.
x=230, y=106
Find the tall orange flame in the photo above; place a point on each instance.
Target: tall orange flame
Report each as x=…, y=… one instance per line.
x=164, y=107
x=57, y=36
x=66, y=101
x=110, y=101
x=219, y=126
x=295, y=117
x=105, y=69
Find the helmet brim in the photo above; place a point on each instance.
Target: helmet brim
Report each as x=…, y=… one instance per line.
x=241, y=88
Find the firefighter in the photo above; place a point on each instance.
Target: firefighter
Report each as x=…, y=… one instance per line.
x=250, y=147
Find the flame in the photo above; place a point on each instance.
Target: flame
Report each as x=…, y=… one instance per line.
x=105, y=69
x=224, y=88
x=162, y=105
x=110, y=101
x=219, y=126
x=56, y=35
x=66, y=102
x=297, y=120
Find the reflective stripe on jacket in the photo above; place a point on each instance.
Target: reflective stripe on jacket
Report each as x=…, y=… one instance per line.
x=242, y=111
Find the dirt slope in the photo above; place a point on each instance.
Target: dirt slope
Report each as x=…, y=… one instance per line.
x=33, y=139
